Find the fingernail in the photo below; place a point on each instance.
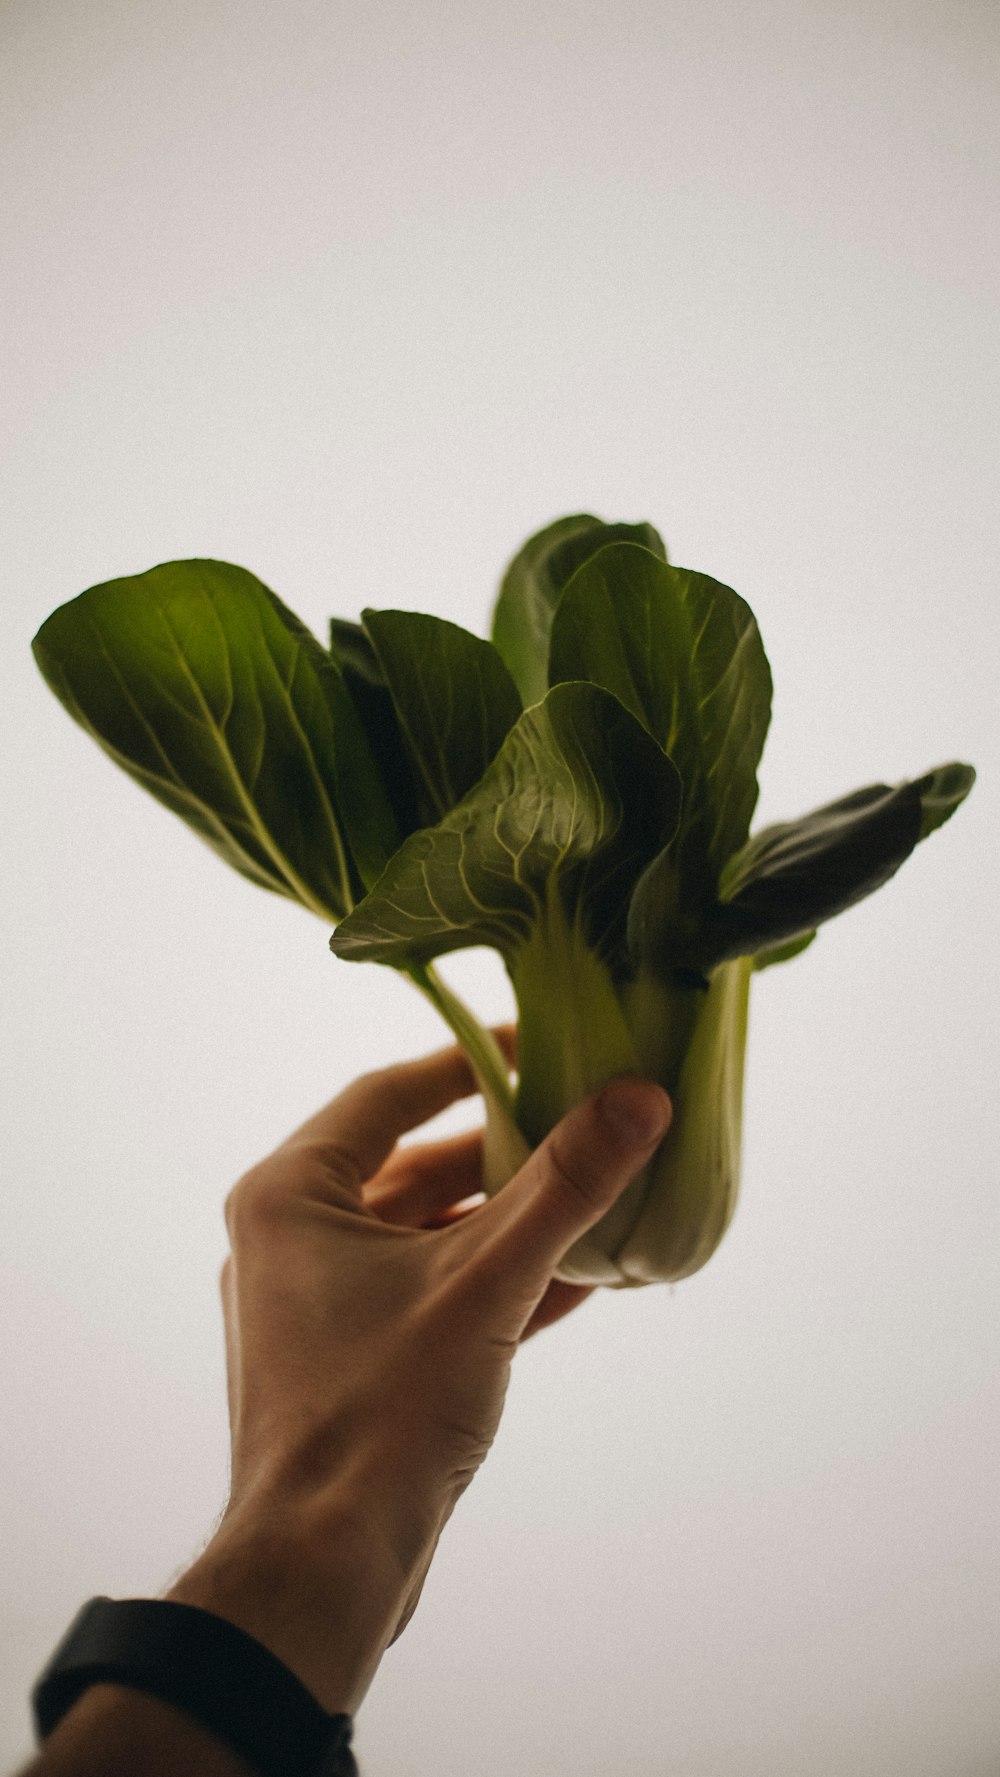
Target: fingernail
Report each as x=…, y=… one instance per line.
x=636, y=1111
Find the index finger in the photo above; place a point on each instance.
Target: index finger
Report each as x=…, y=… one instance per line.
x=356, y=1132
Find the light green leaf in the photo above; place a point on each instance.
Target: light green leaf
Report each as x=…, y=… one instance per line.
x=574, y=804
x=209, y=692
x=454, y=700
x=683, y=652
x=533, y=584
x=791, y=877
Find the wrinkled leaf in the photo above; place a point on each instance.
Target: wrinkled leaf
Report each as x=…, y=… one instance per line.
x=533, y=584
x=574, y=803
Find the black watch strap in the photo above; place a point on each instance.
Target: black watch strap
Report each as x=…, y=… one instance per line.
x=204, y=1665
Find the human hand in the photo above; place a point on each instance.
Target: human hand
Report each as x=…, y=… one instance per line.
x=371, y=1322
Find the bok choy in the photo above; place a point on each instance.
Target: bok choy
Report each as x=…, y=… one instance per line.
x=576, y=793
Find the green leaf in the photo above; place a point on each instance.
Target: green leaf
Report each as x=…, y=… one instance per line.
x=782, y=953
x=454, y=702
x=574, y=804
x=209, y=692
x=533, y=584
x=353, y=651
x=793, y=876
x=941, y=791
x=683, y=652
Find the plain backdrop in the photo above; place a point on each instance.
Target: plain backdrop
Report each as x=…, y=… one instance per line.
x=358, y=296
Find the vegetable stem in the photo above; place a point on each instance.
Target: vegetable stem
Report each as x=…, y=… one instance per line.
x=479, y=1044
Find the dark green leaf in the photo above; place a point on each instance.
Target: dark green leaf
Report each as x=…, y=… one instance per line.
x=683, y=652
x=941, y=791
x=533, y=584
x=354, y=653
x=208, y=691
x=782, y=953
x=574, y=804
x=454, y=700
x=793, y=876
x=352, y=649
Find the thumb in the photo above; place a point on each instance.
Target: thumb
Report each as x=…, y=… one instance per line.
x=576, y=1174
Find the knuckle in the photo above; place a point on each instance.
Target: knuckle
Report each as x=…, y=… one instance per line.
x=336, y=1159
x=372, y=1082
x=231, y=1210
x=253, y=1203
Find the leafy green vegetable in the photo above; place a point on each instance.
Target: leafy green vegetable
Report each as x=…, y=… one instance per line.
x=453, y=698
x=576, y=794
x=684, y=654
x=210, y=693
x=533, y=585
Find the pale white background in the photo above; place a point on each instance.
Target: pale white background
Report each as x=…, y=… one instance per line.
x=358, y=297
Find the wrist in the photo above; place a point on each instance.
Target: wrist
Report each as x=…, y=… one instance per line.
x=314, y=1583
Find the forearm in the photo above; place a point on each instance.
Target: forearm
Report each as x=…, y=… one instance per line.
x=312, y=1582
x=114, y=1731
x=313, y=1586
